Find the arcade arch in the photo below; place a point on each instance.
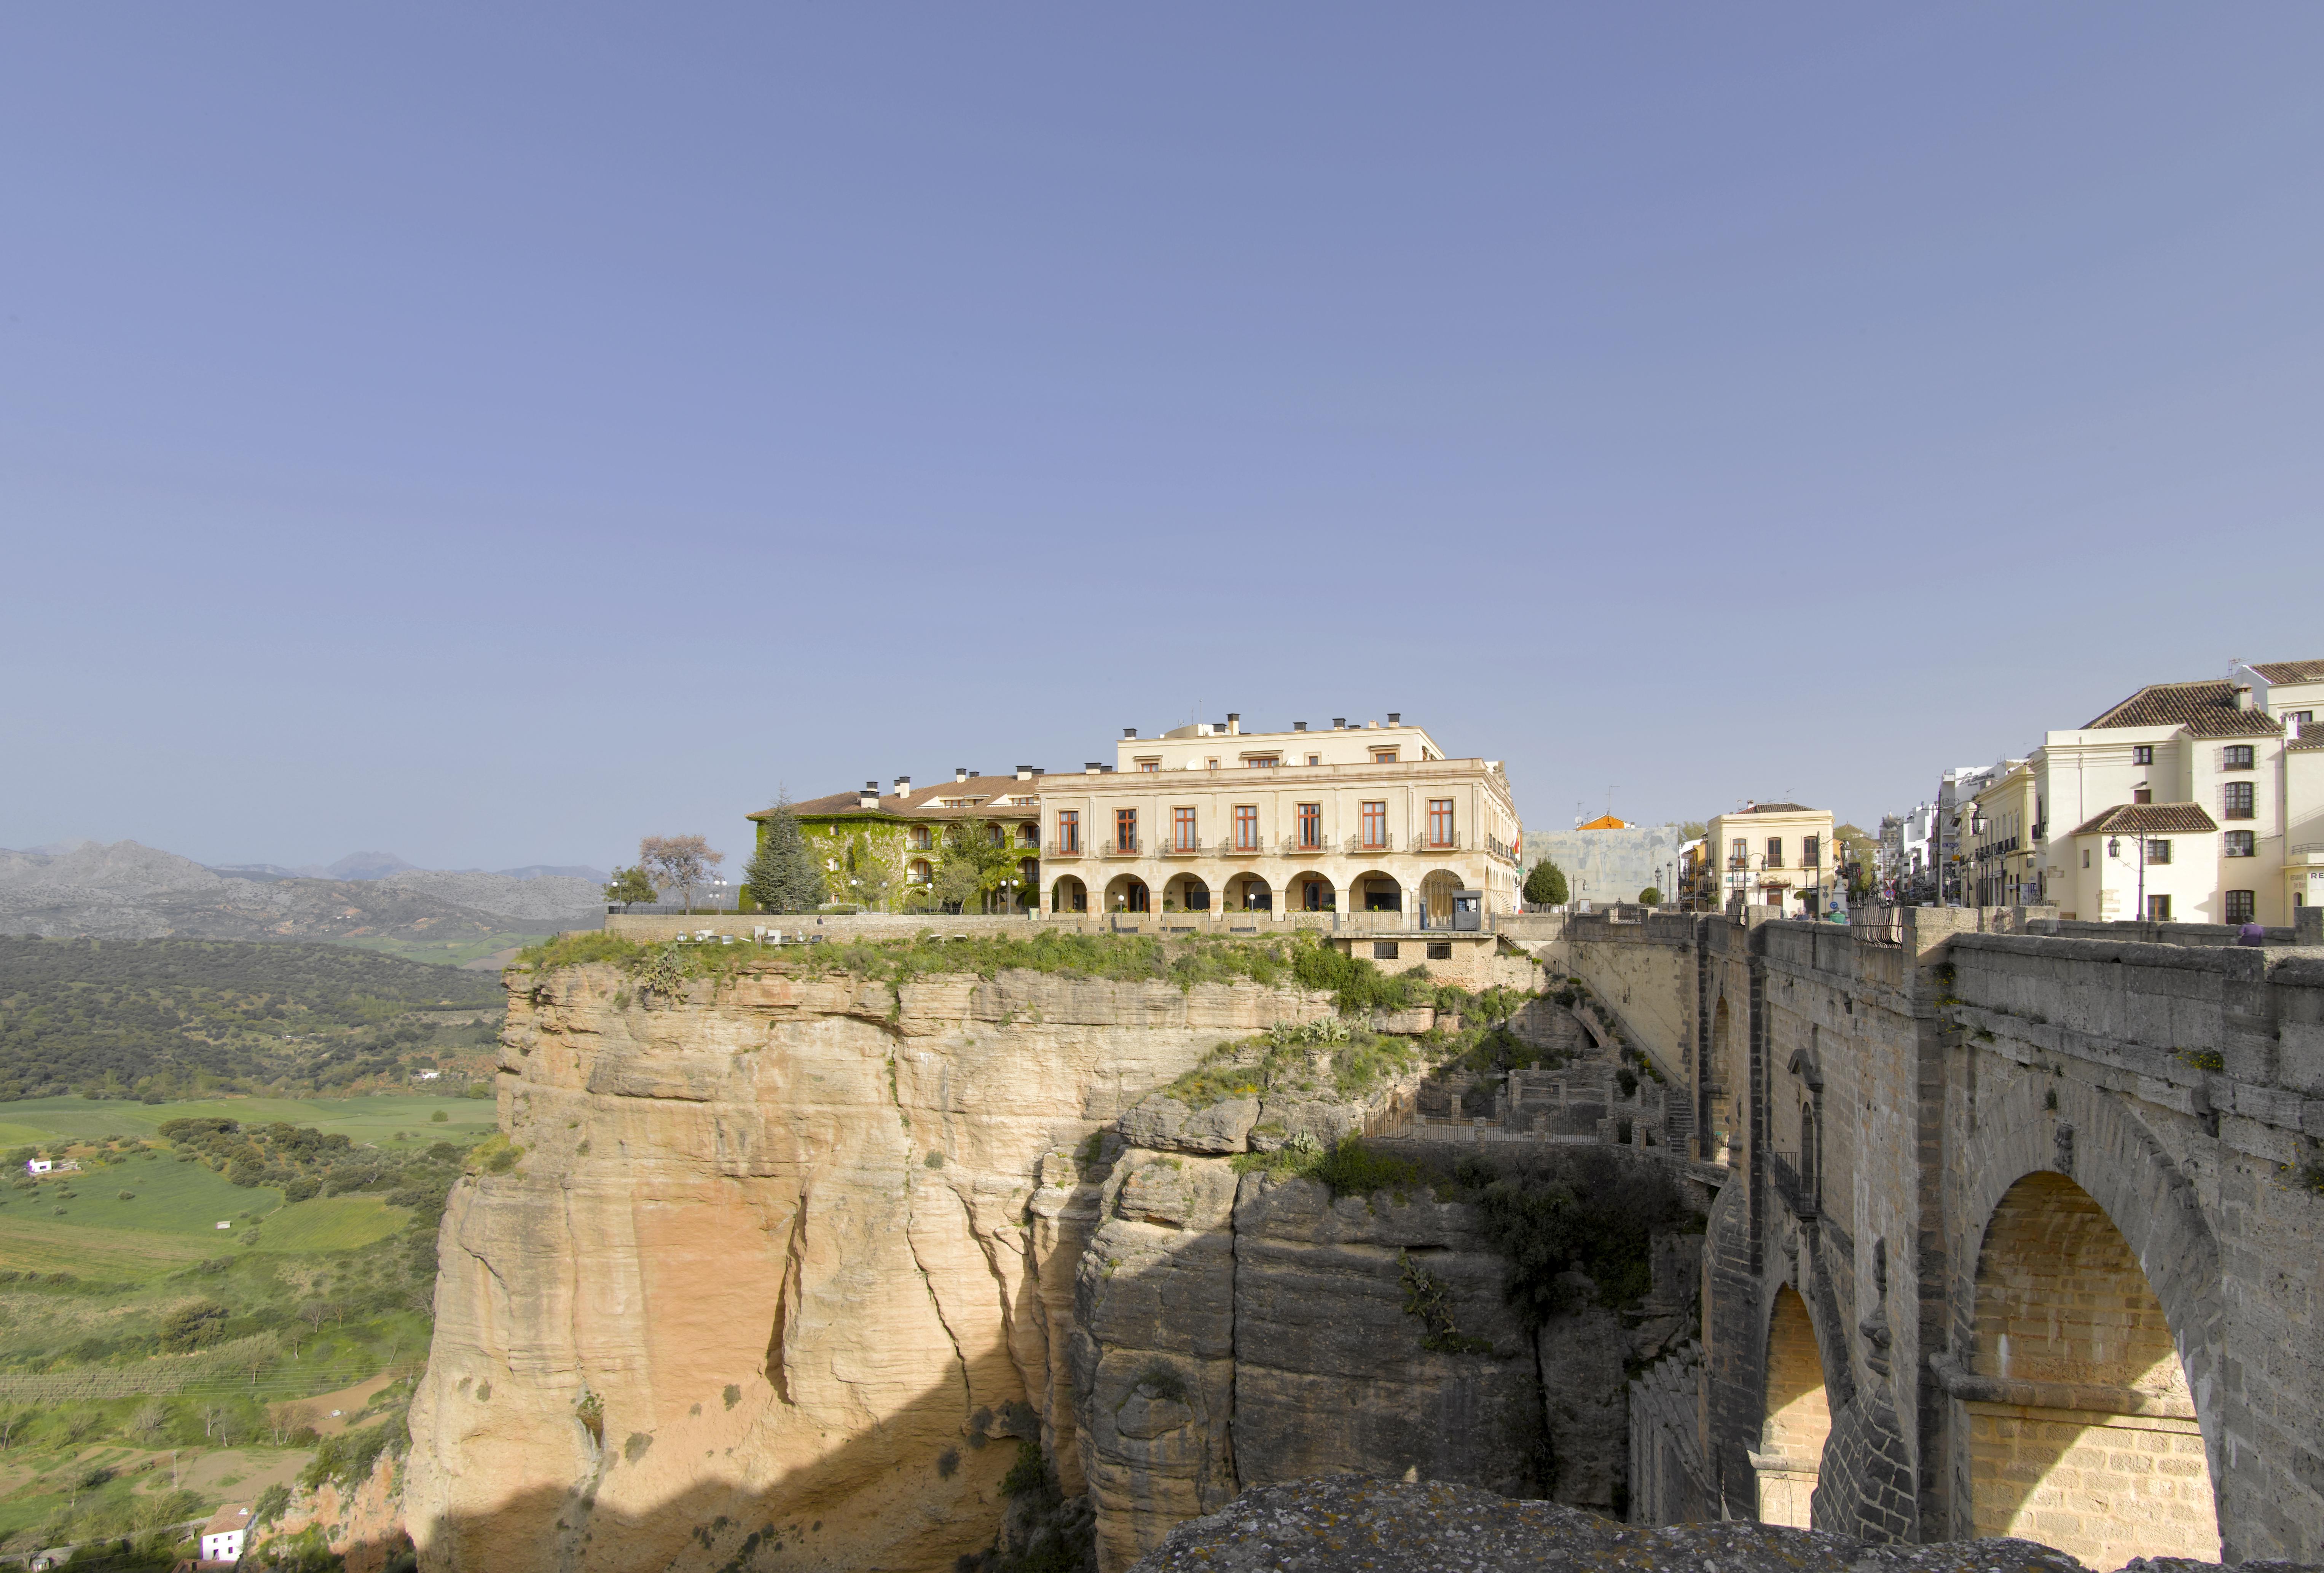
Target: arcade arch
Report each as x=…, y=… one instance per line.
x=1248, y=892
x=1374, y=891
x=1069, y=894
x=1186, y=892
x=2085, y=1436
x=1126, y=892
x=1310, y=892
x=1436, y=898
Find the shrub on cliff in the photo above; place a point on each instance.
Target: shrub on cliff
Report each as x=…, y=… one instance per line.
x=1592, y=1212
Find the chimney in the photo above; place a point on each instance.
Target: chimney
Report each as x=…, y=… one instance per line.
x=1299, y=725
x=903, y=786
x=1025, y=772
x=1129, y=731
x=1234, y=723
x=1395, y=718
x=2243, y=697
x=868, y=798
x=1339, y=723
x=959, y=774
x=1091, y=768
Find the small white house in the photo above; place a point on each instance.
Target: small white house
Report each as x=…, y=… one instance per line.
x=225, y=1223
x=222, y=1537
x=426, y=1075
x=39, y=1165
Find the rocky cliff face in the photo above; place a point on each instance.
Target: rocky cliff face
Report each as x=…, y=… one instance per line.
x=783, y=1258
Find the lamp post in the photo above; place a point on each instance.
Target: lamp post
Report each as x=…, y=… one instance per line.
x=2114, y=849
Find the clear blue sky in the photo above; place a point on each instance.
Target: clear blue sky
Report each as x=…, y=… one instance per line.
x=490, y=433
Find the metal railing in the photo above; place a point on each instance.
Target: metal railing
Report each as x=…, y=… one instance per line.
x=1255, y=847
x=1421, y=841
x=1357, y=845
x=1073, y=851
x=1783, y=1172
x=1193, y=848
x=1293, y=846
x=1118, y=850
x=1877, y=925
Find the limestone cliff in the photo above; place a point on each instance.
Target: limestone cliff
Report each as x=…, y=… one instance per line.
x=782, y=1254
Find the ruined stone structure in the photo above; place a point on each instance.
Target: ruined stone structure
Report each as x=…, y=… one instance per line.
x=2022, y=1237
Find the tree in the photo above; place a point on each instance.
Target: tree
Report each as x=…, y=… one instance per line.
x=630, y=885
x=782, y=875
x=1693, y=830
x=678, y=861
x=867, y=875
x=976, y=861
x=1546, y=885
x=1650, y=897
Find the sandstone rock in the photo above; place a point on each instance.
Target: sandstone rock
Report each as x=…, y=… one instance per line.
x=1347, y=1522
x=1170, y=1126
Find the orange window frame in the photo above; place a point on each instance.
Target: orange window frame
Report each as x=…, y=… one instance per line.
x=1311, y=826
x=1246, y=827
x=1440, y=821
x=1182, y=829
x=1375, y=825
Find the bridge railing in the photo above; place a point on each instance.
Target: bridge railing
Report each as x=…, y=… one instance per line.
x=1783, y=1171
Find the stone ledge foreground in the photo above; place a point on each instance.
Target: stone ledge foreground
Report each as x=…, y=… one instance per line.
x=1344, y=1523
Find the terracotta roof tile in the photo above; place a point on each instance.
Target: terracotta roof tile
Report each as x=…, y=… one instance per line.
x=2148, y=819
x=2206, y=710
x=2290, y=671
x=1777, y=808
x=927, y=802
x=2309, y=739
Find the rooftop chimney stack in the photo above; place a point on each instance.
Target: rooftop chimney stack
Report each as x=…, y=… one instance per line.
x=868, y=798
x=1129, y=731
x=1339, y=723
x=903, y=786
x=2243, y=697
x=1023, y=772
x=959, y=774
x=1299, y=725
x=1395, y=718
x=1234, y=723
x=1091, y=768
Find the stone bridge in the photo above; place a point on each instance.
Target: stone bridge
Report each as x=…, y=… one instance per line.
x=2021, y=1236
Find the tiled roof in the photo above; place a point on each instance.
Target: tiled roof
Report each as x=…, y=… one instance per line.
x=2206, y=710
x=1777, y=808
x=2290, y=671
x=2148, y=819
x=2309, y=739
x=926, y=802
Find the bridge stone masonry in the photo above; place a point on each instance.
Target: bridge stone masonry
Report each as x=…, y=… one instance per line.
x=2020, y=1232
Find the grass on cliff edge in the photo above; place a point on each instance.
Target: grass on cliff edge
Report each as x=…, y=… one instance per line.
x=1301, y=959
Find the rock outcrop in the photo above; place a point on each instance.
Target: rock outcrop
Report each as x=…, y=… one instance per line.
x=784, y=1257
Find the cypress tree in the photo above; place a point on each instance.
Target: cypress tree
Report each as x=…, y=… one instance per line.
x=782, y=874
x=1546, y=885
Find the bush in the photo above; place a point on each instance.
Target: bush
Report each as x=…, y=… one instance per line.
x=1546, y=885
x=1030, y=1473
x=192, y=1325
x=1650, y=897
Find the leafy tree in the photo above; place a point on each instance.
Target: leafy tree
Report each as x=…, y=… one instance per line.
x=976, y=861
x=782, y=875
x=678, y=861
x=1546, y=885
x=866, y=876
x=1693, y=830
x=1650, y=897
x=191, y=1326
x=628, y=885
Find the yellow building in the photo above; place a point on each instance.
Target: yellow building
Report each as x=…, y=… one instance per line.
x=1777, y=855
x=1371, y=817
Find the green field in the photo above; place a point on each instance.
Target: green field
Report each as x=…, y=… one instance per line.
x=166, y=1197
x=332, y=1223
x=445, y=952
x=374, y=1120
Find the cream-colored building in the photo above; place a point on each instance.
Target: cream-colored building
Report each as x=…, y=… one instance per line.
x=1370, y=816
x=2001, y=856
x=1772, y=854
x=2242, y=749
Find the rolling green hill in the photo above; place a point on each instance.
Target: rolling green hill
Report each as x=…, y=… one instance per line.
x=169, y=1018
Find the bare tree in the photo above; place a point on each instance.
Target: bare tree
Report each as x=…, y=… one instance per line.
x=147, y=1421
x=213, y=1418
x=679, y=862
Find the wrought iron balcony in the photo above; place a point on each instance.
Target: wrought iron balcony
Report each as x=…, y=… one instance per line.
x=1294, y=846
x=1119, y=849
x=1421, y=841
x=1783, y=1172
x=1182, y=848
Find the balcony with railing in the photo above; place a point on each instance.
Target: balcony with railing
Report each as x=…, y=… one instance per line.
x=1421, y=841
x=1119, y=848
x=1238, y=847
x=1062, y=850
x=1190, y=848
x=1796, y=1193
x=1305, y=846
x=1359, y=843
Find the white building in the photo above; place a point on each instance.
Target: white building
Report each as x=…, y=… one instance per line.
x=39, y=1165
x=222, y=1537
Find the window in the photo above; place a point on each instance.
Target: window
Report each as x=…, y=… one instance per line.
x=1029, y=834
x=1264, y=760
x=920, y=873
x=2142, y=754
x=916, y=838
x=1311, y=826
x=2141, y=795
x=1182, y=829
x=1210, y=765
x=1811, y=850
x=2240, y=843
x=1314, y=759
x=1440, y=951
x=2239, y=799
x=1383, y=756
x=2158, y=852
x=1440, y=821
x=2086, y=857
x=1150, y=764
x=994, y=836
x=2302, y=718
x=2158, y=908
x=1375, y=825
x=1246, y=827
x=1774, y=852
x=2236, y=757
x=1125, y=829
x=2243, y=906
x=1383, y=950
x=1069, y=830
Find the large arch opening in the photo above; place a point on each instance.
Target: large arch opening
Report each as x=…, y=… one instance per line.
x=1313, y=892
x=1186, y=892
x=1126, y=892
x=1798, y=1415
x=1376, y=893
x=2089, y=1442
x=1248, y=892
x=1436, y=898
x=1069, y=894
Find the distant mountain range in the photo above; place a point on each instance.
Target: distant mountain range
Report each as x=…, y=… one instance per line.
x=127, y=890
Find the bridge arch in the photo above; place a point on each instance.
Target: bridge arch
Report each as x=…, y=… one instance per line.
x=1796, y=1418
x=2087, y=1323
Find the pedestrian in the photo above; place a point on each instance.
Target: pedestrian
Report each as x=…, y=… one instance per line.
x=2251, y=933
